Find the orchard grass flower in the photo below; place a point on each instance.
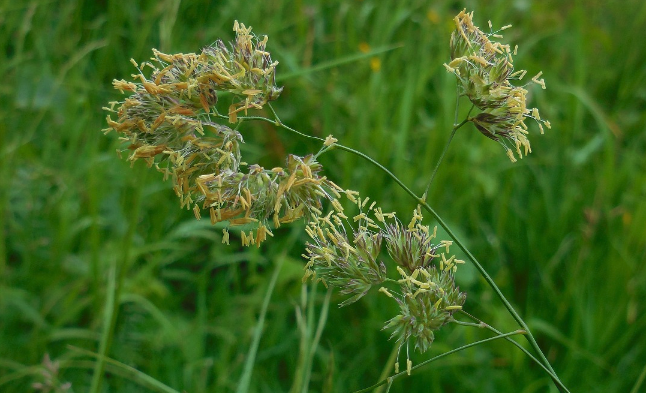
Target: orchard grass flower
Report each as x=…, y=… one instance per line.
x=343, y=256
x=170, y=120
x=279, y=195
x=344, y=253
x=484, y=70
x=428, y=299
x=410, y=246
x=427, y=296
x=167, y=121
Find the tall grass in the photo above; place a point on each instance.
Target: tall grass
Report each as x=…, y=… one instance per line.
x=562, y=232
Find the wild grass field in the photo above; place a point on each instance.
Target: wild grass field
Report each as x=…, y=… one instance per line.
x=97, y=257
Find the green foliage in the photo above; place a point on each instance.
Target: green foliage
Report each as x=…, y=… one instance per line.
x=561, y=231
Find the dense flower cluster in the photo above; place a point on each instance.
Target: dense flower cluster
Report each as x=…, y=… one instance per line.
x=429, y=301
x=346, y=255
x=484, y=70
x=281, y=195
x=168, y=115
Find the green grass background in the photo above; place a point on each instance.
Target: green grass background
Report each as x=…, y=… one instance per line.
x=563, y=232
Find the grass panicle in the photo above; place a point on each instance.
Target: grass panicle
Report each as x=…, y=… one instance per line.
x=124, y=291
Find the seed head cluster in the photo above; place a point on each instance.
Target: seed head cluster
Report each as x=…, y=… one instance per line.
x=281, y=195
x=168, y=121
x=344, y=253
x=484, y=69
x=343, y=256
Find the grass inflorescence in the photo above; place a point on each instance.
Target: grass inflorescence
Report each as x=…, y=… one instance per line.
x=196, y=315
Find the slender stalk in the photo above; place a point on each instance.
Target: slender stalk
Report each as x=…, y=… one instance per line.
x=109, y=319
x=640, y=381
x=313, y=345
x=245, y=378
x=390, y=380
x=446, y=147
x=456, y=126
x=484, y=325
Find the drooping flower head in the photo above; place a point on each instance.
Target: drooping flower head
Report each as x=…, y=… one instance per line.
x=345, y=253
x=427, y=296
x=430, y=299
x=169, y=120
x=484, y=69
x=279, y=195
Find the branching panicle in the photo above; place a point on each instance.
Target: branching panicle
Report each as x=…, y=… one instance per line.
x=427, y=294
x=168, y=121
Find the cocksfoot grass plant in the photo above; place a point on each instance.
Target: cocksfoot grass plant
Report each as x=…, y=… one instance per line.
x=171, y=121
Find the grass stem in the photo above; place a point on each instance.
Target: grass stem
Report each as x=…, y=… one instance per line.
x=389, y=380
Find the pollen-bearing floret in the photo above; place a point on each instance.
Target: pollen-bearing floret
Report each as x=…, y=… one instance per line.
x=343, y=256
x=170, y=121
x=427, y=296
x=484, y=69
x=345, y=252
x=410, y=246
x=279, y=195
x=428, y=300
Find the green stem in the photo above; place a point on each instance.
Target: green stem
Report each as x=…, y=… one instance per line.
x=392, y=378
x=245, y=378
x=446, y=147
x=470, y=324
x=482, y=324
x=456, y=126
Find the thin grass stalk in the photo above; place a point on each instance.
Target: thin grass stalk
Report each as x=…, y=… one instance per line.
x=640, y=381
x=301, y=323
x=388, y=366
x=484, y=325
x=446, y=147
x=317, y=338
x=309, y=338
x=390, y=380
x=109, y=317
x=455, y=128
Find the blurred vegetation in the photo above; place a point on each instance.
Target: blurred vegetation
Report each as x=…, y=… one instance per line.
x=563, y=232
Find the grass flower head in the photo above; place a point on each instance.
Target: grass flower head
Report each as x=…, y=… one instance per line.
x=428, y=299
x=484, y=70
x=427, y=296
x=343, y=256
x=167, y=122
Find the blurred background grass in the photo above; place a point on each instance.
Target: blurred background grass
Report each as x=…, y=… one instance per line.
x=563, y=232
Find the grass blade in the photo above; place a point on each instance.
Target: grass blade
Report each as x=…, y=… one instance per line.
x=245, y=378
